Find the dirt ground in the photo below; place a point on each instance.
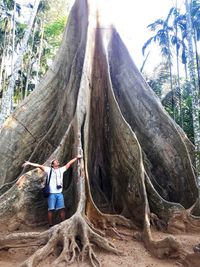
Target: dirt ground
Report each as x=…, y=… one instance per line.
x=134, y=253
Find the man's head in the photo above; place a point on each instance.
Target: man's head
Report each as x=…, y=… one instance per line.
x=55, y=163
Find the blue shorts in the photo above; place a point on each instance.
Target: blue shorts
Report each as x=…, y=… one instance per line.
x=56, y=201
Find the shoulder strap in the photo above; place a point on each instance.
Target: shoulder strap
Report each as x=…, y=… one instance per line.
x=49, y=178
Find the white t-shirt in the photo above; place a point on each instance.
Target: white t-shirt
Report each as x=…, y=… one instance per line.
x=56, y=178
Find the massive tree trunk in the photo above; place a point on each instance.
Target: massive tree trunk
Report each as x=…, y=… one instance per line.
x=136, y=164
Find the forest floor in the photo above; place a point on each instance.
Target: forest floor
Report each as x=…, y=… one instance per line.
x=135, y=254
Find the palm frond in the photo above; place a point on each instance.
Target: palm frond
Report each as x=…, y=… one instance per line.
x=153, y=26
x=169, y=14
x=147, y=44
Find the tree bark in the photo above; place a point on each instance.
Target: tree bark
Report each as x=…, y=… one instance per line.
x=136, y=161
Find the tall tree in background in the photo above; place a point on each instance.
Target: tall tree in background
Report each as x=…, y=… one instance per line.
x=195, y=16
x=194, y=90
x=180, y=40
x=4, y=22
x=44, y=41
x=162, y=37
x=177, y=42
x=7, y=98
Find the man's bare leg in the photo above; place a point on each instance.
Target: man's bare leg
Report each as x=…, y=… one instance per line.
x=50, y=218
x=62, y=214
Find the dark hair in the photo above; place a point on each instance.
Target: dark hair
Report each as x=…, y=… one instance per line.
x=52, y=162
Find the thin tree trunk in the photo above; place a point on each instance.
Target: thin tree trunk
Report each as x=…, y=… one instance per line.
x=3, y=60
x=13, y=38
x=178, y=74
x=194, y=91
x=179, y=92
x=197, y=59
x=29, y=64
x=144, y=62
x=170, y=75
x=40, y=53
x=186, y=72
x=178, y=83
x=7, y=98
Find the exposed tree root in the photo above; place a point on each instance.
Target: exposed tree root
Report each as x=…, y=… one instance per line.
x=182, y=221
x=103, y=221
x=19, y=239
x=157, y=223
x=165, y=248
x=191, y=260
x=74, y=235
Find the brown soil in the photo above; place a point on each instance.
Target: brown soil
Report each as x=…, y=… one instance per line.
x=134, y=253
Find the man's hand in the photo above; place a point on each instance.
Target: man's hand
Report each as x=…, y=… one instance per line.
x=79, y=157
x=26, y=163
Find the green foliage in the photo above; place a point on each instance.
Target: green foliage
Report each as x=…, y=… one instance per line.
x=171, y=36
x=53, y=32
x=56, y=28
x=159, y=82
x=186, y=112
x=19, y=32
x=43, y=44
x=43, y=6
x=9, y=4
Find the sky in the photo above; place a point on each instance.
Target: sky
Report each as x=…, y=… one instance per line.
x=131, y=19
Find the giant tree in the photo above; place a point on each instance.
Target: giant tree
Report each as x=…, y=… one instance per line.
x=136, y=164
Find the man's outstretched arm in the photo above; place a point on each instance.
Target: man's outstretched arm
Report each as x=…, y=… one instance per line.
x=22, y=178
x=42, y=167
x=72, y=161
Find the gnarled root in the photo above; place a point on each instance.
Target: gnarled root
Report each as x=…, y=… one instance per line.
x=182, y=221
x=191, y=260
x=167, y=247
x=107, y=222
x=75, y=237
x=157, y=222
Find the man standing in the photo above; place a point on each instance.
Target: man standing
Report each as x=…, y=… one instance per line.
x=55, y=198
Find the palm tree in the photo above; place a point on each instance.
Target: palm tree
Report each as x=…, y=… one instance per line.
x=13, y=35
x=162, y=37
x=180, y=22
x=194, y=91
x=177, y=42
x=195, y=20
x=195, y=16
